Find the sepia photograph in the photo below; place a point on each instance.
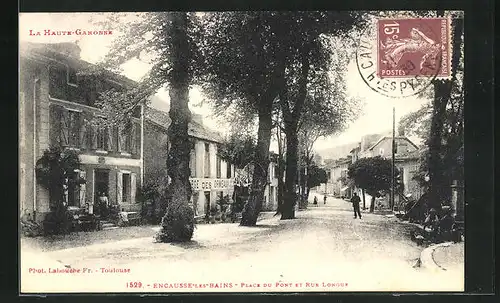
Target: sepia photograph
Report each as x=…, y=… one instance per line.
x=241, y=152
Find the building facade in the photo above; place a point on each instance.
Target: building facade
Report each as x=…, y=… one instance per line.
x=406, y=160
x=383, y=147
x=211, y=177
x=56, y=108
x=243, y=179
x=270, y=202
x=337, y=175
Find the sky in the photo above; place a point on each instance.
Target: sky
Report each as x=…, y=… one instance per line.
x=375, y=116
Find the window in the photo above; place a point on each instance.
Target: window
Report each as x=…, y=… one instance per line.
x=72, y=77
x=124, y=136
x=73, y=191
x=228, y=170
x=116, y=136
x=218, y=167
x=73, y=128
x=137, y=138
x=381, y=152
x=57, y=82
x=102, y=142
x=207, y=161
x=128, y=142
x=126, y=187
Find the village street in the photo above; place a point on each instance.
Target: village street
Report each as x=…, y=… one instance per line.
x=324, y=249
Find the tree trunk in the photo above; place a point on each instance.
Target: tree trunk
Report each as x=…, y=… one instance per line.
x=364, y=198
x=290, y=176
x=259, y=178
x=280, y=172
x=372, y=204
x=291, y=119
x=303, y=200
x=178, y=222
x=439, y=185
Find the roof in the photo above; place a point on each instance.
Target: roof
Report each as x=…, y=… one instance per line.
x=397, y=137
x=71, y=52
x=413, y=155
x=195, y=129
x=356, y=148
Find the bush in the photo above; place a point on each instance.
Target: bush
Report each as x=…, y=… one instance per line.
x=58, y=221
x=30, y=228
x=153, y=201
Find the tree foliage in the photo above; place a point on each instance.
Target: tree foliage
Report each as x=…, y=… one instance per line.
x=372, y=174
x=55, y=169
x=317, y=175
x=237, y=150
x=308, y=63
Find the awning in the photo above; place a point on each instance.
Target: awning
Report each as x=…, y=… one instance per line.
x=345, y=188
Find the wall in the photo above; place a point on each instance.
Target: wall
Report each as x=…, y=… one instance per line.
x=410, y=169
x=36, y=67
x=403, y=147
x=155, y=151
x=33, y=142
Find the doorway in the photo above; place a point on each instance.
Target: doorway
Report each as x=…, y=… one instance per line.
x=207, y=203
x=101, y=183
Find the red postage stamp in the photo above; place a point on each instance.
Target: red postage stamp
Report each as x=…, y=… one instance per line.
x=414, y=47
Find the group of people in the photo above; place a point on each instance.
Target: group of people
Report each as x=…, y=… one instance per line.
x=443, y=226
x=315, y=202
x=102, y=206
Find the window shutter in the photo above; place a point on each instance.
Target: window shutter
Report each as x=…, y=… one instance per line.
x=110, y=138
x=119, y=187
x=133, y=184
x=133, y=142
x=83, y=130
x=119, y=138
x=93, y=136
x=64, y=127
x=55, y=124
x=83, y=175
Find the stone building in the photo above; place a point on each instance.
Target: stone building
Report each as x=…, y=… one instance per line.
x=56, y=105
x=211, y=177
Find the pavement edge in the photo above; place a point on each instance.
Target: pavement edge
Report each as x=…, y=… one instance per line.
x=427, y=257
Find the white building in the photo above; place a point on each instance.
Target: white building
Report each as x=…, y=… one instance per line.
x=211, y=177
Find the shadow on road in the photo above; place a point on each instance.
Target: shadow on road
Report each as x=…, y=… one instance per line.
x=188, y=245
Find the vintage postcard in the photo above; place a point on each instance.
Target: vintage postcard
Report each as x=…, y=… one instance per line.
x=252, y=151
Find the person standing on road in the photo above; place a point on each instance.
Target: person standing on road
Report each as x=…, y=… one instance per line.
x=324, y=199
x=355, y=203
x=315, y=202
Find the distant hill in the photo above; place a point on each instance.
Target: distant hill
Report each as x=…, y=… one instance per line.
x=337, y=152
x=342, y=151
